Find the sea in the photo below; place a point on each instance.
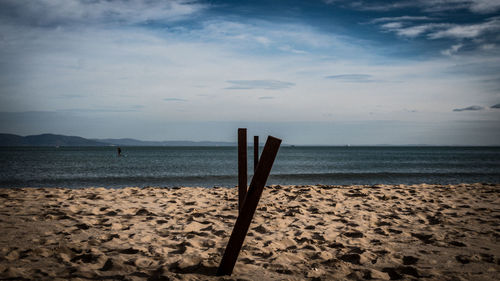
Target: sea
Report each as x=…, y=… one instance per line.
x=80, y=167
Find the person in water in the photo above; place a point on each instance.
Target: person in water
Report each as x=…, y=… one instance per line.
x=119, y=151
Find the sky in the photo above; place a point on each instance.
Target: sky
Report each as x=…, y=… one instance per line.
x=316, y=72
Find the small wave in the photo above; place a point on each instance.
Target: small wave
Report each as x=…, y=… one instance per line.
x=122, y=181
x=383, y=177
x=231, y=180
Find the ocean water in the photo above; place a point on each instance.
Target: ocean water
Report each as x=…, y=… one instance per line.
x=217, y=166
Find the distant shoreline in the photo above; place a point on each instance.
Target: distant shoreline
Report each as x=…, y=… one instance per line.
x=54, y=140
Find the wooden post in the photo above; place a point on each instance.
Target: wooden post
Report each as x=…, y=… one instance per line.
x=242, y=166
x=255, y=152
x=247, y=211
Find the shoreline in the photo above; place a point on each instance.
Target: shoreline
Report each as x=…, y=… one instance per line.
x=425, y=231
x=319, y=185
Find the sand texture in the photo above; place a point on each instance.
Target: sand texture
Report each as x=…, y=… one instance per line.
x=382, y=232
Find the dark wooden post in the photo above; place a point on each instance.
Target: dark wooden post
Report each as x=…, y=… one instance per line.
x=247, y=211
x=242, y=166
x=255, y=152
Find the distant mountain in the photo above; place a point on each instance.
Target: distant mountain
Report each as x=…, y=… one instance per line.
x=12, y=140
x=134, y=142
x=47, y=140
x=61, y=140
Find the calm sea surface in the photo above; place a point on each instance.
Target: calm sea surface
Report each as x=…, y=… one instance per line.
x=217, y=166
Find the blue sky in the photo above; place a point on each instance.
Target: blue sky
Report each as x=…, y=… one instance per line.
x=311, y=72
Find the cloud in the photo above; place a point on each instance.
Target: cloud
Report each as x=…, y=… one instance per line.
x=71, y=96
x=392, y=25
x=401, y=18
x=496, y=105
x=266, y=98
x=452, y=50
x=488, y=46
x=379, y=6
x=174, y=99
x=351, y=77
x=436, y=6
x=414, y=31
x=469, y=108
x=71, y=12
x=104, y=109
x=467, y=30
x=288, y=48
x=485, y=6
x=258, y=84
x=331, y=1
x=405, y=30
x=474, y=35
x=270, y=37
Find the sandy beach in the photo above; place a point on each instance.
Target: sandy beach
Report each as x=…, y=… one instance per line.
x=320, y=232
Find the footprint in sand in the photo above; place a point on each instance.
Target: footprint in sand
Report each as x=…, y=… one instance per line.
x=463, y=259
x=83, y=226
x=426, y=238
x=110, y=237
x=108, y=265
x=409, y=260
x=86, y=258
x=352, y=258
x=457, y=244
x=397, y=273
x=112, y=213
x=144, y=212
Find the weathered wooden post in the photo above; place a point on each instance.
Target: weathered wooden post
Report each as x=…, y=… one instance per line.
x=255, y=152
x=248, y=209
x=242, y=166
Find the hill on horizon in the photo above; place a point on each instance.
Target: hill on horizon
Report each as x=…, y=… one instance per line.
x=62, y=140
x=46, y=140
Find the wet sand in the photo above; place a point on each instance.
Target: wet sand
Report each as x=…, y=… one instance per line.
x=382, y=232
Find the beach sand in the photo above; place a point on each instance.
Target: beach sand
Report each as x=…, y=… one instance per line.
x=319, y=232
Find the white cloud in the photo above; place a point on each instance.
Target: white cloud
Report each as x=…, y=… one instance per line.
x=401, y=18
x=469, y=108
x=485, y=6
x=290, y=49
x=411, y=31
x=174, y=99
x=263, y=40
x=452, y=50
x=392, y=25
x=452, y=31
x=68, y=12
x=380, y=7
x=274, y=35
x=259, y=84
x=476, y=6
x=467, y=30
x=488, y=46
x=356, y=78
